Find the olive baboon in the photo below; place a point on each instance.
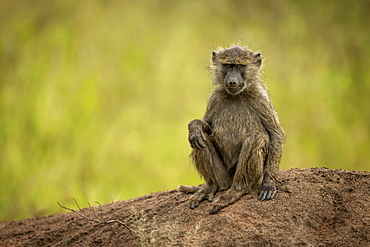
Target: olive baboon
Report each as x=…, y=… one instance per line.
x=238, y=144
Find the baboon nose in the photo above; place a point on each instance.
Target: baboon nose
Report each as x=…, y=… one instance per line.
x=232, y=83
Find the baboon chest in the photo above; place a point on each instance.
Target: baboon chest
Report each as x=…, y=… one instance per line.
x=231, y=125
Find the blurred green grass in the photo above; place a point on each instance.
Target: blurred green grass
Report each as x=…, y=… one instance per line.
x=95, y=96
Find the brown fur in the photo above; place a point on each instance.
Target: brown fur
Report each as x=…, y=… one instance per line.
x=238, y=144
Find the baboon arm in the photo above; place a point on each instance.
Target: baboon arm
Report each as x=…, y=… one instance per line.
x=198, y=128
x=270, y=121
x=197, y=133
x=212, y=106
x=199, y=124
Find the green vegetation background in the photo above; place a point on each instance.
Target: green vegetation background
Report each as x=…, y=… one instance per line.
x=95, y=96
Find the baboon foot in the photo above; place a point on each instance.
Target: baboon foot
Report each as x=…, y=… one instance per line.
x=206, y=192
x=266, y=192
x=230, y=196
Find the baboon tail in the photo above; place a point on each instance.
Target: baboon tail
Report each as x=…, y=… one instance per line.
x=187, y=188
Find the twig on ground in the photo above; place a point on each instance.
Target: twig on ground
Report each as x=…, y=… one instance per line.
x=95, y=217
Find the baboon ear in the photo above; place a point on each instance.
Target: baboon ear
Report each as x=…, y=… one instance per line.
x=258, y=59
x=214, y=58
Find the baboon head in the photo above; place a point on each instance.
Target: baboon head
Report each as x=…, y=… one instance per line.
x=235, y=68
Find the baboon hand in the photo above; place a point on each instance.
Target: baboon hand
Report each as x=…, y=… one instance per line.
x=266, y=192
x=197, y=138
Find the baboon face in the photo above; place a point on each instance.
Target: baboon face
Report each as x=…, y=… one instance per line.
x=236, y=64
x=234, y=77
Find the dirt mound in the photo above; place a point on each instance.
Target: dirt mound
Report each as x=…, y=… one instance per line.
x=313, y=207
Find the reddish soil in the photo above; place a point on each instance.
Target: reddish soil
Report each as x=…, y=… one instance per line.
x=313, y=207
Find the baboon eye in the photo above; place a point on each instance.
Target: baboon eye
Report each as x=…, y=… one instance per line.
x=239, y=66
x=228, y=65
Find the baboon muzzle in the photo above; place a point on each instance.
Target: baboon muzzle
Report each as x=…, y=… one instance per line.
x=234, y=82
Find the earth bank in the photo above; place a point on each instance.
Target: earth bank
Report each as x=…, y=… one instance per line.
x=313, y=207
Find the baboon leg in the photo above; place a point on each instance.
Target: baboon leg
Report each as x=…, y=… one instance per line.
x=215, y=173
x=249, y=171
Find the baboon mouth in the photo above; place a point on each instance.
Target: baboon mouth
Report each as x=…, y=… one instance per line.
x=237, y=86
x=240, y=86
x=234, y=89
